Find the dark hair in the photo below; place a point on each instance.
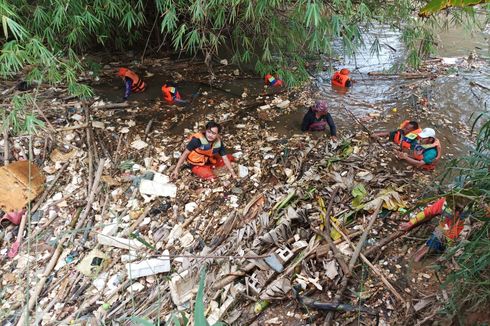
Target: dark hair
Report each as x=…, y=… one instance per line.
x=415, y=124
x=170, y=84
x=212, y=124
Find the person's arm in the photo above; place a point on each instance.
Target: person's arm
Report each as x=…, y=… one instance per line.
x=181, y=160
x=222, y=153
x=229, y=167
x=307, y=120
x=333, y=127
x=427, y=214
x=127, y=87
x=410, y=160
x=382, y=134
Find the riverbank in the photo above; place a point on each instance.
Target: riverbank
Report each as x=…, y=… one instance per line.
x=103, y=152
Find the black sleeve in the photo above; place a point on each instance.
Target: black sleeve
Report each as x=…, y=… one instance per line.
x=222, y=150
x=331, y=124
x=307, y=121
x=193, y=144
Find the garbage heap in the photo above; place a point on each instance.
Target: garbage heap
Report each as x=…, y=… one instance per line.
x=304, y=233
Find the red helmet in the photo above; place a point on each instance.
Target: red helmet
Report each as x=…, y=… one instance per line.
x=122, y=72
x=344, y=71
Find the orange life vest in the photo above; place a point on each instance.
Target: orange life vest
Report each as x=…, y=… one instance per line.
x=138, y=85
x=170, y=93
x=405, y=140
x=340, y=79
x=418, y=154
x=200, y=156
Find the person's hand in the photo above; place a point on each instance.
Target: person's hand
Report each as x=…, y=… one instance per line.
x=174, y=175
x=234, y=176
x=401, y=155
x=406, y=226
x=333, y=138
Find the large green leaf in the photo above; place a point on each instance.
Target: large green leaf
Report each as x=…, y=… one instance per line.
x=435, y=6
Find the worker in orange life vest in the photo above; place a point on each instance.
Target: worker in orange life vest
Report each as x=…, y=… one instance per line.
x=132, y=82
x=425, y=153
x=205, y=152
x=341, y=78
x=404, y=136
x=453, y=211
x=272, y=81
x=171, y=94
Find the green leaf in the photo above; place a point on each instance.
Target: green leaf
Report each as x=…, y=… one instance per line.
x=199, y=316
x=141, y=321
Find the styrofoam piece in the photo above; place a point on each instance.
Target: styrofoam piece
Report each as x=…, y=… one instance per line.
x=149, y=187
x=149, y=267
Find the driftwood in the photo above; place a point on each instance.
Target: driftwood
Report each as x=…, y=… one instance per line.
x=405, y=75
x=111, y=106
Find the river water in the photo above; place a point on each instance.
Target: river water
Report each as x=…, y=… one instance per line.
x=452, y=100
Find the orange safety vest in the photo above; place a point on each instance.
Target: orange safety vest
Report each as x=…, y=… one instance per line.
x=201, y=156
x=418, y=154
x=404, y=140
x=339, y=79
x=170, y=93
x=138, y=84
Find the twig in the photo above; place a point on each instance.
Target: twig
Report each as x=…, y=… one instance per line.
x=135, y=224
x=42, y=281
x=89, y=149
x=91, y=197
x=46, y=192
x=375, y=270
x=360, y=244
x=5, y=145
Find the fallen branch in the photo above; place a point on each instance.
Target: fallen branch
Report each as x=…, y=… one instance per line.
x=91, y=197
x=111, y=106
x=373, y=268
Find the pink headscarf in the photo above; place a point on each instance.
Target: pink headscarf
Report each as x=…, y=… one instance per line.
x=320, y=106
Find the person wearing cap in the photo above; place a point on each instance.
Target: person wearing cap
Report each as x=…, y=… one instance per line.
x=171, y=95
x=132, y=82
x=317, y=118
x=404, y=136
x=425, y=153
x=341, y=78
x=272, y=81
x=205, y=152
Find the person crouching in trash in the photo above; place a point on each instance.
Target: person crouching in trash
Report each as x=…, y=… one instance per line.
x=453, y=211
x=317, y=118
x=205, y=152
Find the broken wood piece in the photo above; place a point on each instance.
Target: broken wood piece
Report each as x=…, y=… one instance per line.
x=111, y=106
x=375, y=270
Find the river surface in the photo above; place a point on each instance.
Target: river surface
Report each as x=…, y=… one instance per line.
x=452, y=100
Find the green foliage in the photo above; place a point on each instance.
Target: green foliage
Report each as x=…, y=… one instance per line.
x=434, y=6
x=470, y=282
x=46, y=37
x=18, y=118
